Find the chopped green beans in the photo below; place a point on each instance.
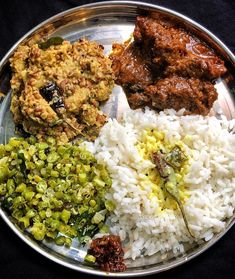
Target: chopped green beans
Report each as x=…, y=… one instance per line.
x=41, y=187
x=55, y=192
x=90, y=259
x=50, y=42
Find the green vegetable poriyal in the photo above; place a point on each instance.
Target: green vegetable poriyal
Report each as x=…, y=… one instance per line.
x=53, y=191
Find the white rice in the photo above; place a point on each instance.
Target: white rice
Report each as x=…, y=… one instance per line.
x=211, y=180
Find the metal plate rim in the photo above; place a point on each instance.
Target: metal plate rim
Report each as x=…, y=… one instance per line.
x=103, y=3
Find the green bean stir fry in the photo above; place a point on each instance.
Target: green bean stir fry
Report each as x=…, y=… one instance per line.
x=53, y=191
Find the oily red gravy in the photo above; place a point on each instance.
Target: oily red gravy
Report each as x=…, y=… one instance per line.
x=166, y=67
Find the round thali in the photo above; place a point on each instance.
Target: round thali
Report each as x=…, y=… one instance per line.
x=106, y=23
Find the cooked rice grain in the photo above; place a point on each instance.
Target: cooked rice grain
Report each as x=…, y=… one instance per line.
x=210, y=181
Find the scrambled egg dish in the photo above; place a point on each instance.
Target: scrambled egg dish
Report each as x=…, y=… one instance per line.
x=56, y=90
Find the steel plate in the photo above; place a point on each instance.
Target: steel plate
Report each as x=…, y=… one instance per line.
x=106, y=23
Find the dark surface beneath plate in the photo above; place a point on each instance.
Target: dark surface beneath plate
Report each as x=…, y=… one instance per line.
x=17, y=260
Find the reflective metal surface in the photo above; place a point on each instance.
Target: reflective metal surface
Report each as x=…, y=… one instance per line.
x=106, y=23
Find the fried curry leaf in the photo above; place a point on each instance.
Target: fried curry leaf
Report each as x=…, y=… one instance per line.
x=161, y=165
x=53, y=95
x=50, y=42
x=175, y=157
x=164, y=164
x=172, y=190
x=85, y=227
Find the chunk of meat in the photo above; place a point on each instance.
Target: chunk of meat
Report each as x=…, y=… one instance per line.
x=167, y=67
x=131, y=69
x=183, y=53
x=137, y=100
x=194, y=95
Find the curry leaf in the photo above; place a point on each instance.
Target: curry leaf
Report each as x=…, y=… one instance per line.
x=51, y=42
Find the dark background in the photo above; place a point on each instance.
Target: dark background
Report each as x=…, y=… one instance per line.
x=17, y=260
